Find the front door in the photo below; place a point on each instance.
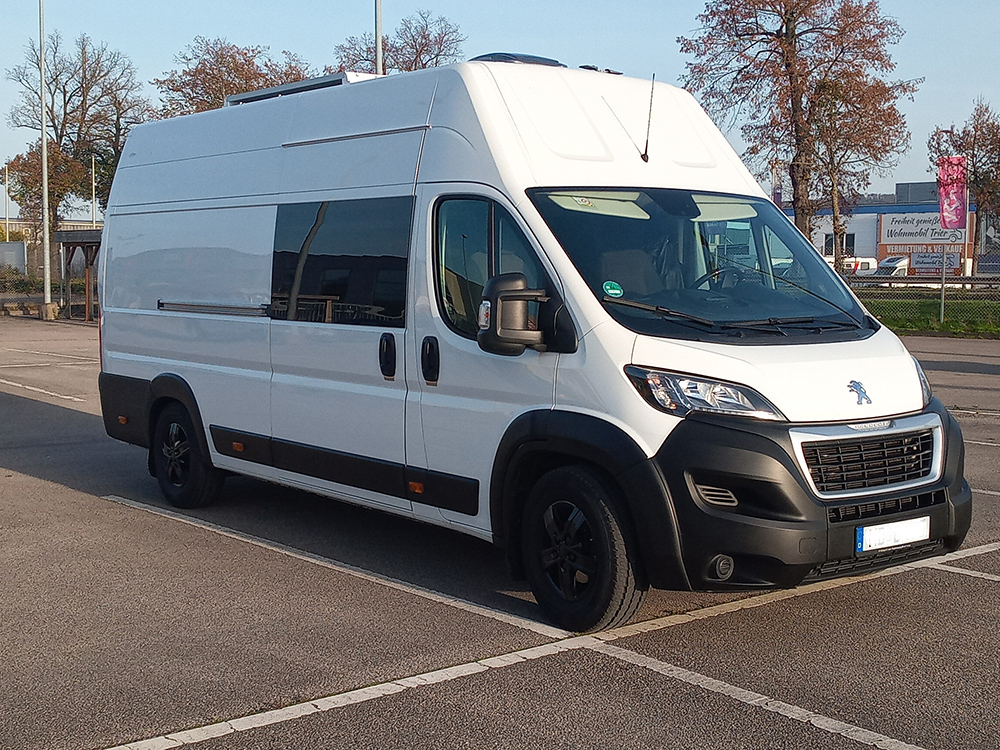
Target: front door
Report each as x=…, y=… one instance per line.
x=467, y=397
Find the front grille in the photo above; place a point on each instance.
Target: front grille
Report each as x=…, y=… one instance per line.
x=875, y=461
x=877, y=508
x=854, y=566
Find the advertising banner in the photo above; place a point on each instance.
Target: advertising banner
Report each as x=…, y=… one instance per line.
x=951, y=191
x=921, y=238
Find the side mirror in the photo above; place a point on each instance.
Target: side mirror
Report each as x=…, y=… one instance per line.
x=503, y=316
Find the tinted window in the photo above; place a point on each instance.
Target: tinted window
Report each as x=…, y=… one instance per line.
x=477, y=239
x=342, y=261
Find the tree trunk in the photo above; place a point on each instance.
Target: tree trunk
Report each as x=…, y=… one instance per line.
x=800, y=169
x=839, y=230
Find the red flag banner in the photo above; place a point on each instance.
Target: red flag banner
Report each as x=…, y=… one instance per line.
x=951, y=191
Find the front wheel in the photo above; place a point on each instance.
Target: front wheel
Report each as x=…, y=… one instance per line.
x=577, y=554
x=185, y=478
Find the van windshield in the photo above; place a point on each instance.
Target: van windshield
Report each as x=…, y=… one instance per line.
x=700, y=266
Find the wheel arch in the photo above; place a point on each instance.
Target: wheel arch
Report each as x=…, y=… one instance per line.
x=537, y=442
x=164, y=389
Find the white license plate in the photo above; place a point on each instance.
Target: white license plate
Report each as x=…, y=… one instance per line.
x=892, y=534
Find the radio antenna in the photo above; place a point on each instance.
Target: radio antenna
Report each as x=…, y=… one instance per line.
x=649, y=123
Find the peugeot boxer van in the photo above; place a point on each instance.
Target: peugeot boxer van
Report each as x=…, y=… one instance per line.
x=546, y=307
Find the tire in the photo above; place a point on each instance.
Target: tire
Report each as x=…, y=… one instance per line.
x=185, y=479
x=577, y=553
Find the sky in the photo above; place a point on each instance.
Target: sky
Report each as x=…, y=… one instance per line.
x=954, y=50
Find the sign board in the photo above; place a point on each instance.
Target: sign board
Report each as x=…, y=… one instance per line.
x=920, y=237
x=917, y=229
x=13, y=254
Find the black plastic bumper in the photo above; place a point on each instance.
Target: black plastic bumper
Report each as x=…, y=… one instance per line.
x=779, y=533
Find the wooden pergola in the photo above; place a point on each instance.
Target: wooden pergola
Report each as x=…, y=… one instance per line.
x=88, y=242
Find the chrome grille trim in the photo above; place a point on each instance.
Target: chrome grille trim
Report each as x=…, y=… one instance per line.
x=904, y=426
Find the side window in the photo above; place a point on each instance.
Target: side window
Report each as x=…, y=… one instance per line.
x=342, y=261
x=477, y=239
x=463, y=243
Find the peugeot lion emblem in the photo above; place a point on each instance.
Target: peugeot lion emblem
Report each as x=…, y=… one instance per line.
x=859, y=389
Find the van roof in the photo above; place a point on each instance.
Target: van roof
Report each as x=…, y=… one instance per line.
x=512, y=126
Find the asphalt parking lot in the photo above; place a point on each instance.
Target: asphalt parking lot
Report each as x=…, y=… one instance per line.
x=278, y=619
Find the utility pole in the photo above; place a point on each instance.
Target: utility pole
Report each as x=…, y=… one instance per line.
x=379, y=63
x=93, y=192
x=47, y=312
x=6, y=203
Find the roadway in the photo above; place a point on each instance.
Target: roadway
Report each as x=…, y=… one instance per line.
x=278, y=619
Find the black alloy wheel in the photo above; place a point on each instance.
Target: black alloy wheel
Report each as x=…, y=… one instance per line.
x=577, y=551
x=185, y=478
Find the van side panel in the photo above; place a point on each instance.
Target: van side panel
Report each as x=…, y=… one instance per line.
x=182, y=258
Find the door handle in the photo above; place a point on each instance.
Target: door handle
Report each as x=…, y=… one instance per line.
x=387, y=355
x=430, y=359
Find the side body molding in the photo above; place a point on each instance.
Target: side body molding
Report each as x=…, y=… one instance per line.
x=539, y=441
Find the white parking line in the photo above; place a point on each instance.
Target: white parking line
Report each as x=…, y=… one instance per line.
x=597, y=642
x=83, y=363
x=40, y=390
x=977, y=442
x=986, y=492
x=967, y=572
x=49, y=354
x=750, y=698
x=367, y=575
x=976, y=412
x=353, y=697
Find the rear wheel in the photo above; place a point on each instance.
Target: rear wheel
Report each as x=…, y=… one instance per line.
x=576, y=552
x=185, y=478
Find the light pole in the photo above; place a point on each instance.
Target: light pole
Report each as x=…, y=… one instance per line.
x=379, y=66
x=46, y=313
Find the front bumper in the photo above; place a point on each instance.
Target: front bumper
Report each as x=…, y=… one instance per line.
x=738, y=491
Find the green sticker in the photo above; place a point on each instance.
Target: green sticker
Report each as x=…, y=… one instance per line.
x=613, y=289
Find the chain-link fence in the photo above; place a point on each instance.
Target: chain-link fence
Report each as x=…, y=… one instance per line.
x=22, y=288
x=967, y=304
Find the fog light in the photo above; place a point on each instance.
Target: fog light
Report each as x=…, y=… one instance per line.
x=721, y=567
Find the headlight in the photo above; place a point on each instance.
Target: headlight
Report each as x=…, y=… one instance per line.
x=682, y=394
x=925, y=387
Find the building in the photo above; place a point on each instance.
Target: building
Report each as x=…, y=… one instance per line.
x=908, y=227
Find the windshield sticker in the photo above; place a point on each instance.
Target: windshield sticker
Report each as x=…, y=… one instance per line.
x=613, y=289
x=581, y=201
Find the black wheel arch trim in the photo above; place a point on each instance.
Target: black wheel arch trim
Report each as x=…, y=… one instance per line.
x=565, y=437
x=170, y=387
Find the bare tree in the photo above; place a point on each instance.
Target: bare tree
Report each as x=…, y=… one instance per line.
x=93, y=98
x=978, y=140
x=760, y=60
x=419, y=41
x=212, y=69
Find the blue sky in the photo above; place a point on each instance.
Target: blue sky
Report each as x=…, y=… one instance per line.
x=955, y=50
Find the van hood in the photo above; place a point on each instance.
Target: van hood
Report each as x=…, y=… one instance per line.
x=807, y=382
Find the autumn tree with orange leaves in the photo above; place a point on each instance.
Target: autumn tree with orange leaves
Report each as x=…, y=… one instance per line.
x=858, y=131
x=769, y=63
x=212, y=69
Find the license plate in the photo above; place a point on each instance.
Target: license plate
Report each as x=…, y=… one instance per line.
x=892, y=534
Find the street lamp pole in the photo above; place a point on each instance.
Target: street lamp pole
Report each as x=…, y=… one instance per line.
x=46, y=261
x=379, y=65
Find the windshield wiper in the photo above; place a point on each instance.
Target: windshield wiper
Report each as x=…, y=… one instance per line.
x=776, y=325
x=660, y=310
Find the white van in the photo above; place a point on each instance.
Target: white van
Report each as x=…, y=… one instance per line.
x=894, y=265
x=481, y=296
